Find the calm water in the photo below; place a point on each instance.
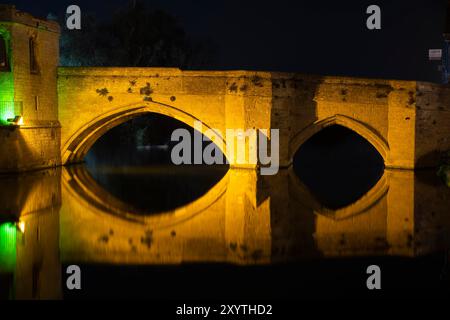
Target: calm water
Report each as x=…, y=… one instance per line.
x=267, y=236
x=160, y=231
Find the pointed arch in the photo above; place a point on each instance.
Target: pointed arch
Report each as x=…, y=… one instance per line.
x=77, y=146
x=374, y=138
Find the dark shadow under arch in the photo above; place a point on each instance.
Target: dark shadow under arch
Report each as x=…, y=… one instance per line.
x=95, y=199
x=132, y=162
x=338, y=166
x=365, y=131
x=75, y=149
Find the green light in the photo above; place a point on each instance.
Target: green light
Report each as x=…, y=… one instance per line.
x=6, y=98
x=7, y=247
x=6, y=109
x=6, y=84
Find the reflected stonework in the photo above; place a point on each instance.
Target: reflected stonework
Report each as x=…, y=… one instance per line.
x=224, y=225
x=402, y=215
x=245, y=219
x=258, y=236
x=30, y=226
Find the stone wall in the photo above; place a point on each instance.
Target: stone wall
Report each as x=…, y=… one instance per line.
x=92, y=100
x=29, y=148
x=432, y=123
x=406, y=121
x=35, y=143
x=392, y=115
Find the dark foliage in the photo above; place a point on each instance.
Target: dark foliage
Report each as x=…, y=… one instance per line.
x=135, y=36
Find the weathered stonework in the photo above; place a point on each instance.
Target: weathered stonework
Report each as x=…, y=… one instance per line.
x=36, y=143
x=408, y=122
x=29, y=148
x=387, y=113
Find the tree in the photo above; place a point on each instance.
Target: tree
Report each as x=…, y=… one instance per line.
x=135, y=36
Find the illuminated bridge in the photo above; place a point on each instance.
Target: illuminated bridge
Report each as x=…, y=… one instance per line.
x=403, y=120
x=52, y=115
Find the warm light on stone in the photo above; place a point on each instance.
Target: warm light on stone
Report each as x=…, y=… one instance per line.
x=68, y=109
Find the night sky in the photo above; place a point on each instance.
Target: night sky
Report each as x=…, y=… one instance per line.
x=316, y=37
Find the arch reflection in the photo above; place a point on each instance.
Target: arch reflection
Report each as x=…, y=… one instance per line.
x=245, y=219
x=248, y=219
x=338, y=165
x=391, y=219
x=82, y=186
x=224, y=225
x=303, y=195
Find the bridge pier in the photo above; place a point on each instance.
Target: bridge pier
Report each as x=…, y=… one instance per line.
x=247, y=221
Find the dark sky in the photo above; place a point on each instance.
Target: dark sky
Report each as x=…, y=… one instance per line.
x=319, y=37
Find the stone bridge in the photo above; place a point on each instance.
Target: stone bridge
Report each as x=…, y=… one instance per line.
x=62, y=111
x=408, y=122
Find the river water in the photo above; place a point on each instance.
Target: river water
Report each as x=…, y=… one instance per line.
x=164, y=231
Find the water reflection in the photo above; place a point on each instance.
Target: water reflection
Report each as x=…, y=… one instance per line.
x=58, y=217
x=151, y=189
x=29, y=235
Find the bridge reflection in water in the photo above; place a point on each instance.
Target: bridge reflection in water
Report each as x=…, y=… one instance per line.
x=63, y=216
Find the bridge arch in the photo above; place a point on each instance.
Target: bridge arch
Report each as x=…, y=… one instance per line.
x=374, y=138
x=77, y=146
